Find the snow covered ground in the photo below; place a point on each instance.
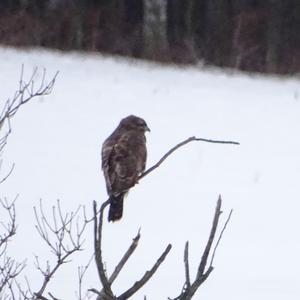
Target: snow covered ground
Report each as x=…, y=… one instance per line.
x=56, y=144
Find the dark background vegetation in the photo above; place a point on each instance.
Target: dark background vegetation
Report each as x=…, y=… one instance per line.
x=252, y=35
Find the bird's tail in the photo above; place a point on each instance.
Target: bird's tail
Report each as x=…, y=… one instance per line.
x=116, y=207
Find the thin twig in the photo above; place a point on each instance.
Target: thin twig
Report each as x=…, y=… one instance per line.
x=220, y=237
x=188, y=140
x=11, y=226
x=25, y=93
x=62, y=233
x=81, y=273
x=8, y=174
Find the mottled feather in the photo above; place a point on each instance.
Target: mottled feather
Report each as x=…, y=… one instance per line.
x=124, y=156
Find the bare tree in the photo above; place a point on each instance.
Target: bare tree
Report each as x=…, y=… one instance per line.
x=10, y=269
x=189, y=288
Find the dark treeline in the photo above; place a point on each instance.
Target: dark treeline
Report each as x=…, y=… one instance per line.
x=252, y=35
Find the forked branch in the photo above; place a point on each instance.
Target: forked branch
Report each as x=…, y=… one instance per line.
x=106, y=293
x=9, y=267
x=189, y=288
x=63, y=235
x=26, y=91
x=81, y=273
x=10, y=226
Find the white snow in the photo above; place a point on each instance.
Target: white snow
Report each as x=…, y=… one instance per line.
x=56, y=142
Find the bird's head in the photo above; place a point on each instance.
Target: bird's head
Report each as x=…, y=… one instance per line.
x=134, y=123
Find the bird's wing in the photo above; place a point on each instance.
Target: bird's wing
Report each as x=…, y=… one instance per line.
x=107, y=150
x=122, y=162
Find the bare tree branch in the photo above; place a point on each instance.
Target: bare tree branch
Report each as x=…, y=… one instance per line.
x=41, y=297
x=61, y=237
x=138, y=284
x=220, y=237
x=190, y=289
x=125, y=257
x=100, y=296
x=8, y=174
x=210, y=239
x=106, y=292
x=10, y=269
x=186, y=265
x=188, y=140
x=10, y=226
x=81, y=273
x=52, y=297
x=25, y=92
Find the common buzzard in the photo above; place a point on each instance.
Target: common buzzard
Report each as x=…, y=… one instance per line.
x=124, y=156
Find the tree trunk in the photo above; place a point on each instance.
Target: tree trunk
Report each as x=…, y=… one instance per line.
x=155, y=37
x=273, y=35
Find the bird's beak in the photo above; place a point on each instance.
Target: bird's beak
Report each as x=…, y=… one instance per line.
x=147, y=128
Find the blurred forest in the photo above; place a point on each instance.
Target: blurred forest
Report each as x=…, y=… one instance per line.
x=251, y=35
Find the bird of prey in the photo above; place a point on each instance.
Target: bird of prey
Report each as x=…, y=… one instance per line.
x=124, y=156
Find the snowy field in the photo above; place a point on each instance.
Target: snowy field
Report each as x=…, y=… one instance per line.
x=56, y=142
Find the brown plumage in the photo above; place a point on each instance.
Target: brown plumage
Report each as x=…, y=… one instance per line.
x=124, y=156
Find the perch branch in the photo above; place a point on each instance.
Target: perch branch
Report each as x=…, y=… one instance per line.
x=188, y=140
